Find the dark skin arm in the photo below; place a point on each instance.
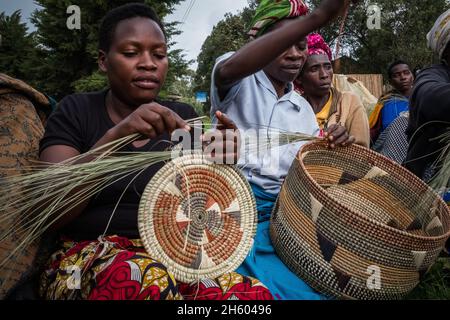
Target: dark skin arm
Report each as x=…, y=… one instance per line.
x=257, y=54
x=226, y=149
x=150, y=120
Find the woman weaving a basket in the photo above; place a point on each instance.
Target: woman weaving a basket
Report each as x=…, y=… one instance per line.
x=254, y=86
x=133, y=53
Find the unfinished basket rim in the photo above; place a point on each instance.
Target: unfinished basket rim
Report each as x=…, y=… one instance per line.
x=313, y=146
x=245, y=219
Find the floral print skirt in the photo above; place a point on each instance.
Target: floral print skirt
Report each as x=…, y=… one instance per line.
x=116, y=268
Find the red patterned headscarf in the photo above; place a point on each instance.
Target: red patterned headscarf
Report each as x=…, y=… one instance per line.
x=317, y=45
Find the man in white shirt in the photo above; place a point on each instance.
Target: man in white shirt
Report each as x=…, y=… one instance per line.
x=253, y=86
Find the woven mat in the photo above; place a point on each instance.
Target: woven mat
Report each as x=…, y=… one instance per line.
x=197, y=218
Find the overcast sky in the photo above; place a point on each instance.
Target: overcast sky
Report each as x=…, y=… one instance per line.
x=204, y=14
x=199, y=23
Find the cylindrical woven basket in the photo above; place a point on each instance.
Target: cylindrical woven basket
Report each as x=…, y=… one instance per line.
x=354, y=224
x=197, y=218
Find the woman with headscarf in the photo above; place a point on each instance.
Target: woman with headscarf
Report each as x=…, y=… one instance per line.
x=254, y=87
x=331, y=106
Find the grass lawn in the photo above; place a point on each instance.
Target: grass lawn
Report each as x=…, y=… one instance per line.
x=436, y=284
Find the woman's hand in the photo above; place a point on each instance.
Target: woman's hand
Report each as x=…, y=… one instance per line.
x=337, y=135
x=150, y=120
x=330, y=9
x=222, y=144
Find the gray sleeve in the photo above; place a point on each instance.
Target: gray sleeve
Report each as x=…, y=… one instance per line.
x=216, y=103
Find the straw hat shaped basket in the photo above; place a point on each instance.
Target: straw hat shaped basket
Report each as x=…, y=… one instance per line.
x=197, y=218
x=354, y=224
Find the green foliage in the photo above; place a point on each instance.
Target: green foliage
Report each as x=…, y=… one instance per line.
x=178, y=68
x=436, y=284
x=64, y=60
x=404, y=26
x=181, y=89
x=95, y=82
x=16, y=45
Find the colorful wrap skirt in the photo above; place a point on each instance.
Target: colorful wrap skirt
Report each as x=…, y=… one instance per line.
x=116, y=268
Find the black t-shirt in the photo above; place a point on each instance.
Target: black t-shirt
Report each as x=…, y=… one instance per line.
x=79, y=122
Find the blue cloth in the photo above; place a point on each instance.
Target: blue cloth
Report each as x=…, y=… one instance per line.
x=264, y=264
x=264, y=202
x=447, y=197
x=391, y=110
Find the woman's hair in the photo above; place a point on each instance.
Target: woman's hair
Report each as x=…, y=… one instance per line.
x=116, y=15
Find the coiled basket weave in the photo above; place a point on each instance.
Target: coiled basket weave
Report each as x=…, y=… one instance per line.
x=197, y=218
x=354, y=224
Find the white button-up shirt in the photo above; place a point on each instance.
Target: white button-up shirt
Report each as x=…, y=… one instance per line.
x=254, y=106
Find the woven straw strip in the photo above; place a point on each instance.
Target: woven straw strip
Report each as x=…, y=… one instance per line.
x=360, y=221
x=325, y=176
x=320, y=275
x=357, y=266
x=374, y=201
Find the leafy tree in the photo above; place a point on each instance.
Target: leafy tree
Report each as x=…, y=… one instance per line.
x=404, y=25
x=178, y=69
x=16, y=46
x=182, y=89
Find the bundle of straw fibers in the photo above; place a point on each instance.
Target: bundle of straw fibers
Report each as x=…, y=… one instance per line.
x=31, y=201
x=354, y=224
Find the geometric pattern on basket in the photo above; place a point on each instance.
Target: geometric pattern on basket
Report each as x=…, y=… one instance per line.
x=326, y=246
x=342, y=212
x=197, y=218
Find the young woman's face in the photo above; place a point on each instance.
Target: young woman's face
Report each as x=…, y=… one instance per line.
x=316, y=76
x=137, y=62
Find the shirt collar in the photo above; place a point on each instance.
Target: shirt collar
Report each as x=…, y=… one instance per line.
x=291, y=95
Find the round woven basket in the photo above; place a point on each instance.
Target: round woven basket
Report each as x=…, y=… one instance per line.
x=197, y=218
x=354, y=224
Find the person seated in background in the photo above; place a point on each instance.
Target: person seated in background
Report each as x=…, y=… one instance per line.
x=133, y=54
x=329, y=104
x=254, y=87
x=394, y=102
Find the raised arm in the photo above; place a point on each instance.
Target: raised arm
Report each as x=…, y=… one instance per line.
x=258, y=53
